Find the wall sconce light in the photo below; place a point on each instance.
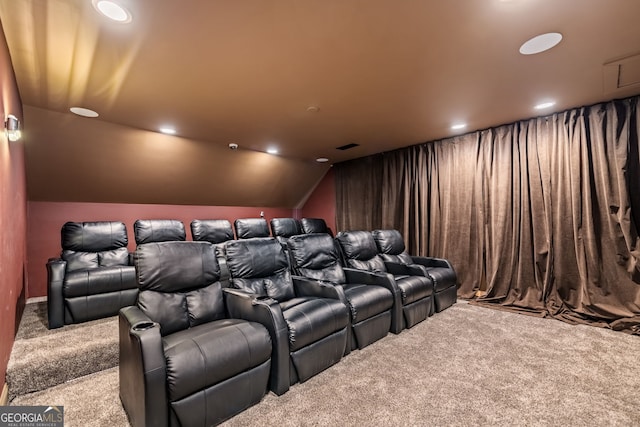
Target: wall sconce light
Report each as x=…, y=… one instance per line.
x=12, y=128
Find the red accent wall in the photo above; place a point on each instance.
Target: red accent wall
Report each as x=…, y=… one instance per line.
x=45, y=219
x=322, y=202
x=12, y=212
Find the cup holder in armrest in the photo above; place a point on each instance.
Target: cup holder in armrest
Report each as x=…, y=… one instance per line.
x=263, y=298
x=143, y=326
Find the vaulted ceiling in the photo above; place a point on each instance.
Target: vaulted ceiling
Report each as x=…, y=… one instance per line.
x=383, y=74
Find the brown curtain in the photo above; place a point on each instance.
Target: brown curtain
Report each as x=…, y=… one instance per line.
x=540, y=215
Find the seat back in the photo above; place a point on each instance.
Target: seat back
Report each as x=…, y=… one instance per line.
x=283, y=228
x=248, y=228
x=316, y=256
x=89, y=245
x=211, y=230
x=178, y=284
x=260, y=266
x=158, y=230
x=314, y=225
x=359, y=251
x=391, y=246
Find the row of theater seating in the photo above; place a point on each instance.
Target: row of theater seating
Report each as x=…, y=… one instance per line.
x=193, y=352
x=94, y=275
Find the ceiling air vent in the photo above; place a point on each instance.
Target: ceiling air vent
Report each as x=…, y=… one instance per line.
x=622, y=76
x=346, y=147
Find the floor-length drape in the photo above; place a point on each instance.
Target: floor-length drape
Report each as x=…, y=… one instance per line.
x=540, y=215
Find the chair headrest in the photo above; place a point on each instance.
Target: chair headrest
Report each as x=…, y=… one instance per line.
x=313, y=251
x=158, y=230
x=314, y=225
x=388, y=242
x=358, y=245
x=211, y=230
x=247, y=228
x=94, y=236
x=175, y=266
x=285, y=227
x=258, y=257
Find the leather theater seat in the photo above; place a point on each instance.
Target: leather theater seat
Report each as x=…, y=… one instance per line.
x=93, y=278
x=416, y=290
x=308, y=330
x=316, y=257
x=248, y=228
x=392, y=249
x=182, y=361
x=314, y=225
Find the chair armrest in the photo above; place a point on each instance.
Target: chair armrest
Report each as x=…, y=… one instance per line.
x=266, y=311
x=381, y=279
x=56, y=269
x=430, y=262
x=305, y=286
x=142, y=369
x=399, y=269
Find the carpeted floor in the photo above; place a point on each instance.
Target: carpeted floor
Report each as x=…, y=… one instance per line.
x=468, y=365
x=43, y=358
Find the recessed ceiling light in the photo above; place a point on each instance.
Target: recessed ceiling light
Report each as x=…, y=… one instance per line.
x=540, y=43
x=272, y=150
x=313, y=109
x=112, y=10
x=459, y=126
x=167, y=130
x=322, y=160
x=544, y=105
x=84, y=112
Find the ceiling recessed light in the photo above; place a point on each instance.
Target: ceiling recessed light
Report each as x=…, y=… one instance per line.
x=313, y=109
x=322, y=160
x=459, y=126
x=544, y=105
x=112, y=10
x=540, y=43
x=84, y=112
x=272, y=150
x=167, y=130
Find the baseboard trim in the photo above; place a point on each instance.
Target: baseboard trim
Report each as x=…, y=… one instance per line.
x=4, y=397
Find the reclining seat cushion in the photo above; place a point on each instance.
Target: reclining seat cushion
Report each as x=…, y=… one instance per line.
x=211, y=353
x=313, y=319
x=158, y=230
x=181, y=294
x=361, y=252
x=414, y=288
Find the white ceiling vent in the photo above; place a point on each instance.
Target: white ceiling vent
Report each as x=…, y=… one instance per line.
x=622, y=77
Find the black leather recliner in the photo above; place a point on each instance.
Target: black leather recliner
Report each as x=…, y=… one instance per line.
x=216, y=231
x=93, y=278
x=369, y=296
x=248, y=228
x=182, y=361
x=391, y=248
x=158, y=230
x=307, y=322
x=360, y=252
x=314, y=225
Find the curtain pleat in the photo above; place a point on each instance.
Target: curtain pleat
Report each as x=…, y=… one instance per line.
x=540, y=215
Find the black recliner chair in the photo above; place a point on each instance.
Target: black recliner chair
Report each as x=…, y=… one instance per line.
x=248, y=228
x=391, y=248
x=369, y=296
x=182, y=361
x=307, y=322
x=158, y=230
x=360, y=252
x=93, y=278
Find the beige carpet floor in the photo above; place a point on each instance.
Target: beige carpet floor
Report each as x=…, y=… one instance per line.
x=466, y=366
